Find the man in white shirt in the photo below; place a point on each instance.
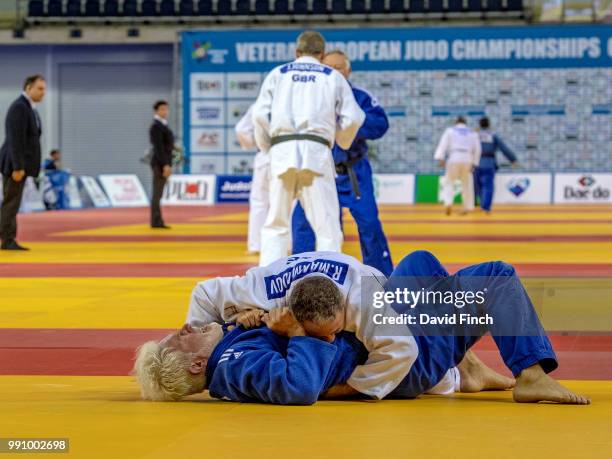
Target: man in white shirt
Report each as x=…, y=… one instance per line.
x=462, y=147
x=259, y=197
x=302, y=109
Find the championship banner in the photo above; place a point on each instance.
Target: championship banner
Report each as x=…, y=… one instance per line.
x=583, y=188
x=190, y=190
x=233, y=188
x=505, y=73
x=93, y=192
x=523, y=189
x=124, y=190
x=394, y=188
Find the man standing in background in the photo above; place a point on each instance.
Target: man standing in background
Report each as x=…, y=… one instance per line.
x=462, y=146
x=484, y=175
x=162, y=141
x=302, y=109
x=259, y=199
x=20, y=155
x=354, y=180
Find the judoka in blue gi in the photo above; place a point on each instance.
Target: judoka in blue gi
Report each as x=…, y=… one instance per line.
x=354, y=181
x=484, y=174
x=280, y=364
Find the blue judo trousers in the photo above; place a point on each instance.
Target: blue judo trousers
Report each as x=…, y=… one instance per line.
x=484, y=174
x=516, y=328
x=374, y=247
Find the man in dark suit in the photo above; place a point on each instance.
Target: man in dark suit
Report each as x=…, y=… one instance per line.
x=162, y=140
x=20, y=155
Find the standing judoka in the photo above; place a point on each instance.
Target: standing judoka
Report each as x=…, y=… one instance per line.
x=302, y=108
x=462, y=146
x=484, y=175
x=259, y=199
x=354, y=181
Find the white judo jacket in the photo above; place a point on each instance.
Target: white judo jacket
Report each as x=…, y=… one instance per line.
x=461, y=144
x=305, y=97
x=392, y=351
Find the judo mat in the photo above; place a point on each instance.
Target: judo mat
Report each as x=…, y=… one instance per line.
x=97, y=283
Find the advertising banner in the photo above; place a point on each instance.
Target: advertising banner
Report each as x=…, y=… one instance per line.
x=124, y=190
x=190, y=190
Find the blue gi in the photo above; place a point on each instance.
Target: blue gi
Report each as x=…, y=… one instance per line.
x=484, y=175
x=374, y=247
x=516, y=329
x=260, y=366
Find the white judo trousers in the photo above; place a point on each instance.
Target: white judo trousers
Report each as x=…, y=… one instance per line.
x=462, y=145
x=463, y=173
x=259, y=199
x=303, y=97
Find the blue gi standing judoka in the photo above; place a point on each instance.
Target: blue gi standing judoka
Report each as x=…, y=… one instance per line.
x=357, y=194
x=484, y=175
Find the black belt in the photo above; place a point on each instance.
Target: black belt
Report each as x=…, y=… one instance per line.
x=286, y=138
x=346, y=167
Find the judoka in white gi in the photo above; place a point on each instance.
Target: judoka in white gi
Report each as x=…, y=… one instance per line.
x=259, y=199
x=392, y=350
x=302, y=109
x=462, y=146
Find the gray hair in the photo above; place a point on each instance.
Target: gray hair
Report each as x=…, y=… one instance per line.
x=339, y=52
x=162, y=373
x=315, y=299
x=310, y=43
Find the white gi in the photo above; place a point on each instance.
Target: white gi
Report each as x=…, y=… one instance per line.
x=392, y=350
x=259, y=199
x=463, y=148
x=303, y=97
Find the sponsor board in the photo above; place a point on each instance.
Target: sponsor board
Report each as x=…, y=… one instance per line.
x=243, y=85
x=207, y=140
x=233, y=188
x=124, y=190
x=207, y=112
x=429, y=189
x=522, y=189
x=189, y=190
x=207, y=164
x=583, y=188
x=32, y=199
x=394, y=188
x=74, y=195
x=93, y=192
x=207, y=85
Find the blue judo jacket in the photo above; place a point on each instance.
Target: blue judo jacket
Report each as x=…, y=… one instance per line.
x=374, y=127
x=489, y=143
x=260, y=366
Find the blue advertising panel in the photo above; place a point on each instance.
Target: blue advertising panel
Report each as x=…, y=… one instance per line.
x=524, y=78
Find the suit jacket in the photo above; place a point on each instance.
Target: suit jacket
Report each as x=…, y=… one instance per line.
x=21, y=148
x=162, y=140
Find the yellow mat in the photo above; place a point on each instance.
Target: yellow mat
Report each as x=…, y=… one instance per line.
x=103, y=418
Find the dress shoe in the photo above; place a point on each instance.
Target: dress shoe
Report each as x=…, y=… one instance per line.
x=12, y=245
x=162, y=226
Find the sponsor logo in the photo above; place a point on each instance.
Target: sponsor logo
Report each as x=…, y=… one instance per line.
x=208, y=113
x=204, y=52
x=279, y=284
x=518, y=186
x=587, y=190
x=235, y=187
x=204, y=85
x=187, y=190
x=208, y=139
x=243, y=85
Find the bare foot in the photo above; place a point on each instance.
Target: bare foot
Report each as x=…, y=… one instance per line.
x=533, y=385
x=476, y=376
x=448, y=210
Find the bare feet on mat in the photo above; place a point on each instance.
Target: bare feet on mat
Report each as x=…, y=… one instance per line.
x=476, y=376
x=533, y=385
